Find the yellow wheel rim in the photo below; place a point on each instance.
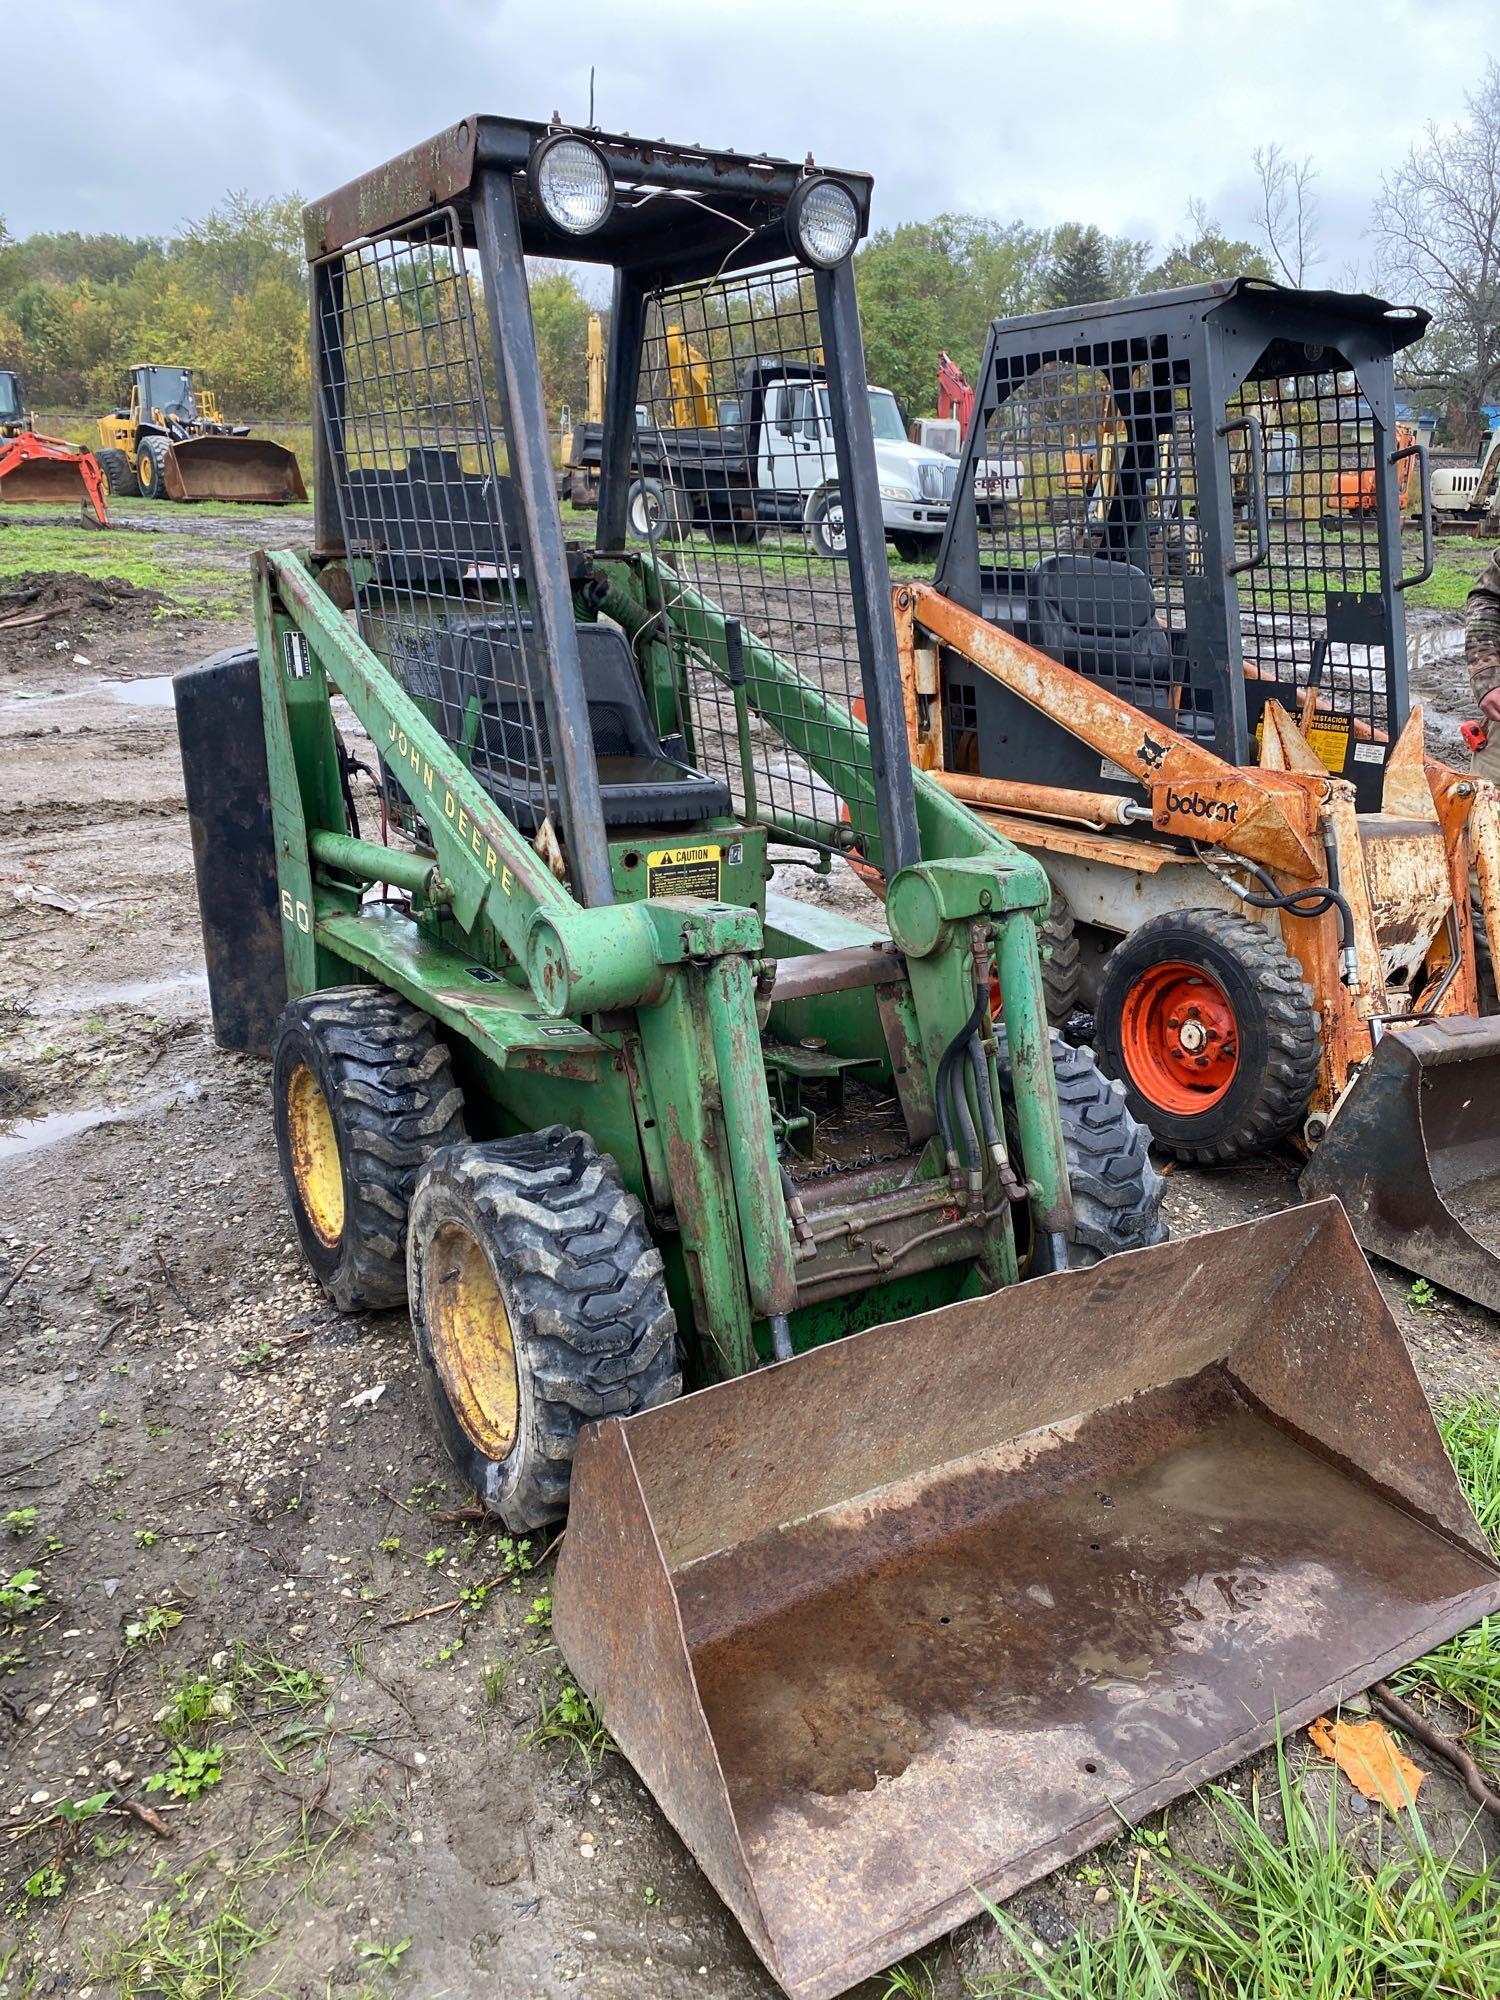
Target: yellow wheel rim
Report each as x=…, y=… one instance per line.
x=472, y=1344
x=316, y=1166
x=146, y=469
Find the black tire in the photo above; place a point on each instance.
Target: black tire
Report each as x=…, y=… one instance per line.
x=826, y=526
x=655, y=512
x=119, y=474
x=536, y=1235
x=151, y=468
x=915, y=548
x=1276, y=1026
x=1117, y=1193
x=1061, y=960
x=386, y=1085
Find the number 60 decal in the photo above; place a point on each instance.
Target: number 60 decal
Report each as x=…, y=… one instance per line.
x=295, y=913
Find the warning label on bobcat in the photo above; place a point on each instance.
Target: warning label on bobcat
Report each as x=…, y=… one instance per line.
x=684, y=871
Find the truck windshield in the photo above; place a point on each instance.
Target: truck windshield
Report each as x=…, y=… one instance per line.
x=885, y=415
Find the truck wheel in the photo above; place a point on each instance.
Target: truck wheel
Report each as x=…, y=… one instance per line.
x=829, y=537
x=363, y=1093
x=1061, y=960
x=654, y=512
x=1117, y=1193
x=151, y=468
x=1207, y=1020
x=538, y=1305
x=119, y=474
x=915, y=548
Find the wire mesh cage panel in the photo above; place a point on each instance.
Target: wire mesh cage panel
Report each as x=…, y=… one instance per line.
x=1192, y=500
x=428, y=512
x=734, y=487
x=1309, y=610
x=1087, y=498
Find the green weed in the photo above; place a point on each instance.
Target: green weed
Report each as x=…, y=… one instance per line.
x=21, y=1595
x=153, y=1625
x=20, y=1521
x=196, y=1700
x=1420, y=1295
x=277, y=1687
x=1302, y=1914
x=191, y=1772
x=570, y=1718
x=911, y=1980
x=388, y=1955
x=181, y=1954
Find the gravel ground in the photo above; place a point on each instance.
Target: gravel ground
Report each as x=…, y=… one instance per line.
x=232, y=1481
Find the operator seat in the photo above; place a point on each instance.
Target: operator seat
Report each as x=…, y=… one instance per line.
x=489, y=696
x=1097, y=615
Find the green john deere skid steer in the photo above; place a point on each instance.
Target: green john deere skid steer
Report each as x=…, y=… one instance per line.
x=939, y=1574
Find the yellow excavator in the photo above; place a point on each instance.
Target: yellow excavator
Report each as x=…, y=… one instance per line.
x=168, y=442
x=581, y=482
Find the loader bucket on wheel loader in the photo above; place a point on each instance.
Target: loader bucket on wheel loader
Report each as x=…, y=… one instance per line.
x=252, y=470
x=1413, y=1153
x=931, y=1609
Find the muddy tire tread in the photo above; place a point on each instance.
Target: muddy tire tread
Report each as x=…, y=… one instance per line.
x=394, y=1103
x=1292, y=1026
x=590, y=1318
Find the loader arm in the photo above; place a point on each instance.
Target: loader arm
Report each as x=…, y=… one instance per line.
x=1192, y=791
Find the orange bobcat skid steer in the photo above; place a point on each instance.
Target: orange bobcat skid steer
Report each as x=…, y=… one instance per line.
x=1192, y=708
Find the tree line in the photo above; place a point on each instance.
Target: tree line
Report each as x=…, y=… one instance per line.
x=229, y=295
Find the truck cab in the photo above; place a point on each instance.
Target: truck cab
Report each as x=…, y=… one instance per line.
x=796, y=455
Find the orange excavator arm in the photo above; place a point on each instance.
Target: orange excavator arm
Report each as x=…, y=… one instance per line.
x=34, y=467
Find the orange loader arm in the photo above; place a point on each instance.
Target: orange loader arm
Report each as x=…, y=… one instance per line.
x=34, y=467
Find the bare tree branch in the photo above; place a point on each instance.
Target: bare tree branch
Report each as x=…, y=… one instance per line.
x=1288, y=210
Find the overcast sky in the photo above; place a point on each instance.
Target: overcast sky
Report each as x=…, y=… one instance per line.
x=1089, y=110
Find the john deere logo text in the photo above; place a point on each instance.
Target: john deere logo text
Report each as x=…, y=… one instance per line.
x=1192, y=805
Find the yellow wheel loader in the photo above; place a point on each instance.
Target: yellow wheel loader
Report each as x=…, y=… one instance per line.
x=975, y=1539
x=170, y=443
x=1191, y=707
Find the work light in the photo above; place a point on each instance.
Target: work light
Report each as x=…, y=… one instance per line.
x=573, y=182
x=822, y=221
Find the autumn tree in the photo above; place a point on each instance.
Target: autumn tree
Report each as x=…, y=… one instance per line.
x=1438, y=223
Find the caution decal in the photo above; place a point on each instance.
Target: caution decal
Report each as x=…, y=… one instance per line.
x=684, y=871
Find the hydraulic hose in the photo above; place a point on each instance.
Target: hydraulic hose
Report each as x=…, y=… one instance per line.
x=957, y=1119
x=1307, y=903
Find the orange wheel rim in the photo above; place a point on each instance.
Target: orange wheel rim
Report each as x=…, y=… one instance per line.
x=1180, y=1038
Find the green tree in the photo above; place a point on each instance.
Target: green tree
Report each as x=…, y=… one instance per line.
x=1201, y=253
x=1085, y=265
x=560, y=315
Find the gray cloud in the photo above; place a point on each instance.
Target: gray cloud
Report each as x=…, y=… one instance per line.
x=1113, y=114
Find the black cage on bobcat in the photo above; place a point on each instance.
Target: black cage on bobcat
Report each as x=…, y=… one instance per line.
x=1203, y=512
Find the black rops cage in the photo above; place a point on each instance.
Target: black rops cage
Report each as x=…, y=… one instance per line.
x=434, y=475
x=1204, y=499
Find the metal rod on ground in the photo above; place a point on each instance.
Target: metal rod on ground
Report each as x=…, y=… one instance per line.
x=1439, y=1743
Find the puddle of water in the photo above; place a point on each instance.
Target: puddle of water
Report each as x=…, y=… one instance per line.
x=31, y=1135
x=153, y=693
x=130, y=992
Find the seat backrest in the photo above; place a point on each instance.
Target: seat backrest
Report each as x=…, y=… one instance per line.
x=1098, y=616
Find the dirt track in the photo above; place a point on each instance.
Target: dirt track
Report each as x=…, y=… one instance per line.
x=207, y=1440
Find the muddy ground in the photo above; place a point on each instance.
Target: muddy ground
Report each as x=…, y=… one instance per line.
x=230, y=1480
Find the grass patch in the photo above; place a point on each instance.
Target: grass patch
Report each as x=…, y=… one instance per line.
x=186, y=589
x=1292, y=1910
x=185, y=1954
x=568, y=1717
x=1466, y=1671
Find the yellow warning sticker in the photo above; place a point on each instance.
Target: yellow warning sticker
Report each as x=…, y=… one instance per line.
x=684, y=871
x=1328, y=737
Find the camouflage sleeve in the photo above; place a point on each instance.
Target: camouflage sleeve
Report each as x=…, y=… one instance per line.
x=1482, y=630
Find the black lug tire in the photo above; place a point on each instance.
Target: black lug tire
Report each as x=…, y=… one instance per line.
x=648, y=494
x=915, y=548
x=1278, y=1026
x=153, y=454
x=1061, y=960
x=1117, y=1193
x=388, y=1084
x=119, y=474
x=823, y=540
x=581, y=1280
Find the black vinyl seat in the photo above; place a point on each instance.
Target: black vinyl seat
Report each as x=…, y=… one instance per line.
x=1098, y=616
x=483, y=686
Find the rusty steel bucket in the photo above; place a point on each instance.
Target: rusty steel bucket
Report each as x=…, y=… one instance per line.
x=932, y=1609
x=252, y=470
x=43, y=479
x=1413, y=1153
